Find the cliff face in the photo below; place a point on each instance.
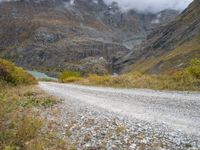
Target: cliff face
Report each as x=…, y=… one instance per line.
x=170, y=46
x=54, y=35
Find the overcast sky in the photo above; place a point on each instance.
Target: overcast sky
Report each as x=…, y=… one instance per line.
x=148, y=5
x=152, y=5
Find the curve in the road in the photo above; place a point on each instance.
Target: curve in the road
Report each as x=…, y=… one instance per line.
x=179, y=110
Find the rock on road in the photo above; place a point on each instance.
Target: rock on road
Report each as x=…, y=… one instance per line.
x=178, y=110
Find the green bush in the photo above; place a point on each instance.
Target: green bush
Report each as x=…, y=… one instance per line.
x=14, y=75
x=194, y=68
x=69, y=76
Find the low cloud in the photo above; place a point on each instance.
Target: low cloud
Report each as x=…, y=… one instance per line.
x=151, y=5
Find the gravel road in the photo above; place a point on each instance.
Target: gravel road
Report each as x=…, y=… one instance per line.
x=174, y=116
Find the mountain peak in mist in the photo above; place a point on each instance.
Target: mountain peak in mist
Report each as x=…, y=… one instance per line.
x=151, y=6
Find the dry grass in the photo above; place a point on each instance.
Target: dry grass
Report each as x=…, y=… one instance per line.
x=120, y=130
x=23, y=128
x=187, y=79
x=179, y=80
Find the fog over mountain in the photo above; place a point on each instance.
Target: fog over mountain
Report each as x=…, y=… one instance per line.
x=151, y=5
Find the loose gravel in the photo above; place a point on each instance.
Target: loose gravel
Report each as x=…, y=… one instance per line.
x=108, y=118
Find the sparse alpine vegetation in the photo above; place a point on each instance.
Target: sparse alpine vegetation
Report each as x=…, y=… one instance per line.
x=158, y=51
x=69, y=76
x=194, y=69
x=21, y=127
x=185, y=79
x=14, y=75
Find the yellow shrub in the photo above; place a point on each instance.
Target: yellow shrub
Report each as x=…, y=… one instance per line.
x=14, y=75
x=69, y=76
x=194, y=68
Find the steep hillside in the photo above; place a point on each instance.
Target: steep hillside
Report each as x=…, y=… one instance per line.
x=170, y=47
x=80, y=35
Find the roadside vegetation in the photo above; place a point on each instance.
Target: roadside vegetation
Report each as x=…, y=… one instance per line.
x=185, y=79
x=21, y=103
x=47, y=80
x=69, y=76
x=14, y=75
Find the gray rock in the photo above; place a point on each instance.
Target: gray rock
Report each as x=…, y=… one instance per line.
x=132, y=147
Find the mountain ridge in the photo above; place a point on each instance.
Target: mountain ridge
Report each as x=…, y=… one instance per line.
x=52, y=36
x=179, y=36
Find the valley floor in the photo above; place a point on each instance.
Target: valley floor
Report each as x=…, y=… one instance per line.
x=108, y=118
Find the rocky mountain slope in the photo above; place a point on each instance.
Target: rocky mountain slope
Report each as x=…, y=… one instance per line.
x=80, y=35
x=168, y=48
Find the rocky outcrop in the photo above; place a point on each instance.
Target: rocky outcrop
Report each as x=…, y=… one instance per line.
x=80, y=54
x=57, y=35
